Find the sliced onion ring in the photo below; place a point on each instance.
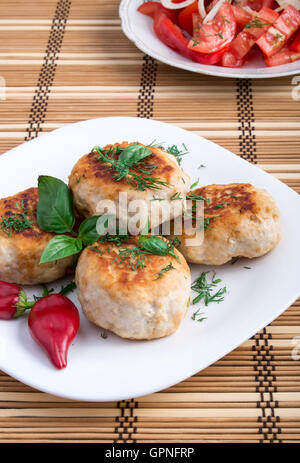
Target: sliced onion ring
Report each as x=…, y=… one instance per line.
x=201, y=8
x=284, y=3
x=210, y=16
x=175, y=6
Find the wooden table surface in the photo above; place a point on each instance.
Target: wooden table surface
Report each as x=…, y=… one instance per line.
x=65, y=61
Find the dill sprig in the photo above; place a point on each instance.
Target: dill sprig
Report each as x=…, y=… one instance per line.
x=135, y=256
x=164, y=270
x=256, y=22
x=128, y=163
x=173, y=149
x=205, y=289
x=195, y=197
x=175, y=197
x=177, y=152
x=192, y=214
x=16, y=222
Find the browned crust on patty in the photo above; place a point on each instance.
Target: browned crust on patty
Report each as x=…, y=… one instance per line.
x=27, y=201
x=113, y=272
x=90, y=167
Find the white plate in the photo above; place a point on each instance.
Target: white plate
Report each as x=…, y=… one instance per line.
x=113, y=368
x=139, y=29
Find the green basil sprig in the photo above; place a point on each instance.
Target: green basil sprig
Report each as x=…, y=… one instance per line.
x=61, y=246
x=55, y=213
x=156, y=245
x=132, y=155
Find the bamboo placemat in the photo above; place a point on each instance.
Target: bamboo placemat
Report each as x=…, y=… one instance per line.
x=65, y=61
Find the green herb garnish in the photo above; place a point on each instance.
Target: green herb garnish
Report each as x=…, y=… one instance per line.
x=16, y=222
x=128, y=163
x=195, y=197
x=198, y=314
x=177, y=152
x=55, y=213
x=175, y=197
x=164, y=270
x=256, y=22
x=204, y=289
x=103, y=334
x=194, y=184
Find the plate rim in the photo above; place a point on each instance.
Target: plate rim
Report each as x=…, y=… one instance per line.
x=125, y=24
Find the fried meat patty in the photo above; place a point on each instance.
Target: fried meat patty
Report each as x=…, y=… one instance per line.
x=240, y=221
x=22, y=242
x=92, y=181
x=134, y=303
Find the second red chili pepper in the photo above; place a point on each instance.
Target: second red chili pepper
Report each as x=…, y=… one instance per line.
x=13, y=301
x=53, y=323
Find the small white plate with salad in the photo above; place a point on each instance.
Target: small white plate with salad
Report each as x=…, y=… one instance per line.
x=224, y=38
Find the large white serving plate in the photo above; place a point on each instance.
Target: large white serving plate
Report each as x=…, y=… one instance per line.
x=139, y=29
x=113, y=368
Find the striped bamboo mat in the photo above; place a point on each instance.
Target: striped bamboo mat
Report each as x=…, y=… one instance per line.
x=65, y=61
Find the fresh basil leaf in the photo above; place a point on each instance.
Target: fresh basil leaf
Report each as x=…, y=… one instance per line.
x=88, y=230
x=55, y=212
x=133, y=154
x=154, y=245
x=61, y=246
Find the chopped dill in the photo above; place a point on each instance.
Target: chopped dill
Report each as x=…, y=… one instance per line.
x=256, y=22
x=198, y=314
x=194, y=184
x=164, y=270
x=205, y=289
x=128, y=163
x=195, y=197
x=16, y=222
x=177, y=152
x=175, y=197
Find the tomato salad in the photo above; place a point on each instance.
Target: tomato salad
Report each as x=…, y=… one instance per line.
x=224, y=32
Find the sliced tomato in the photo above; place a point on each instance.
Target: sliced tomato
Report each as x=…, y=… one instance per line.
x=245, y=40
x=242, y=44
x=264, y=19
x=185, y=17
x=284, y=56
x=216, y=34
x=295, y=45
x=229, y=60
x=276, y=37
x=172, y=36
x=271, y=41
x=289, y=21
x=154, y=8
x=242, y=16
x=256, y=5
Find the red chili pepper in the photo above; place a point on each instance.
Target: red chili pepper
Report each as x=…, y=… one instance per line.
x=13, y=301
x=53, y=323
